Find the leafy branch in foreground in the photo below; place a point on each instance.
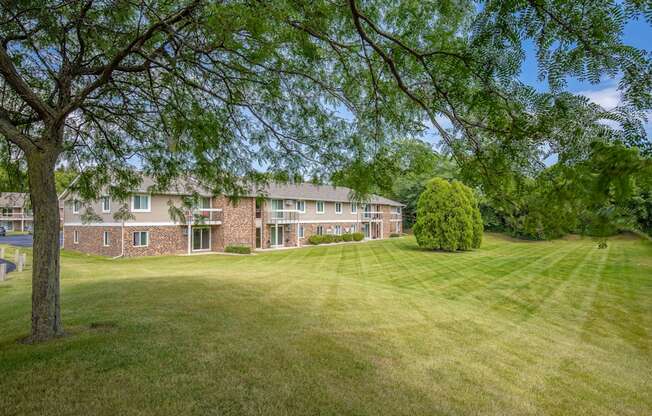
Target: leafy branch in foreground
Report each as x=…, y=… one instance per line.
x=226, y=90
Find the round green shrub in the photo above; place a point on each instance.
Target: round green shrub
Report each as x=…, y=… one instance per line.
x=237, y=249
x=347, y=237
x=337, y=238
x=315, y=239
x=327, y=238
x=358, y=236
x=448, y=217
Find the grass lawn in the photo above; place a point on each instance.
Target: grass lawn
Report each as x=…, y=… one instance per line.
x=377, y=328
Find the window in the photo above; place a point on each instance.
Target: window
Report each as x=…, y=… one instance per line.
x=75, y=237
x=140, y=203
x=320, y=230
x=353, y=228
x=320, y=207
x=106, y=239
x=106, y=204
x=338, y=207
x=76, y=206
x=396, y=210
x=301, y=232
x=141, y=239
x=258, y=208
x=354, y=207
x=301, y=206
x=338, y=230
x=277, y=209
x=204, y=202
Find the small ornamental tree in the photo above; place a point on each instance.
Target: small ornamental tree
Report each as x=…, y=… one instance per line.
x=448, y=217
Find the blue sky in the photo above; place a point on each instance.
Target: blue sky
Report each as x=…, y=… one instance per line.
x=636, y=33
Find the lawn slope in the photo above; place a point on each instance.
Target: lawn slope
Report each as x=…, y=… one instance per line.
x=375, y=328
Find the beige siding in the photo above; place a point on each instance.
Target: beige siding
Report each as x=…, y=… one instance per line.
x=159, y=210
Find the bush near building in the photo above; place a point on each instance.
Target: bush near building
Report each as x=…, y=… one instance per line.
x=238, y=249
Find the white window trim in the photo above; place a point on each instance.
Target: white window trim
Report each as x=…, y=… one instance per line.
x=139, y=245
x=149, y=203
x=75, y=237
x=75, y=210
x=106, y=239
x=354, y=207
x=301, y=232
x=317, y=229
x=337, y=230
x=341, y=208
x=105, y=211
x=323, y=205
x=301, y=211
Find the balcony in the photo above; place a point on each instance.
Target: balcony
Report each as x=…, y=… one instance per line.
x=372, y=216
x=16, y=216
x=283, y=216
x=207, y=216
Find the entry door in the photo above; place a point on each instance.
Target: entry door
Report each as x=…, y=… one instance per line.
x=365, y=230
x=277, y=235
x=201, y=239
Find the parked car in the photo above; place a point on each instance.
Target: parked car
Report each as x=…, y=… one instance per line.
x=3, y=232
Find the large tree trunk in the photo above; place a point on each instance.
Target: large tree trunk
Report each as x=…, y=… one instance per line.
x=46, y=310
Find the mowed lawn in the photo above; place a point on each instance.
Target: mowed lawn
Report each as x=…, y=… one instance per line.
x=374, y=328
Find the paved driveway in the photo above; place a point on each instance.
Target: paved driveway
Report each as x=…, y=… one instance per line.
x=17, y=240
x=23, y=240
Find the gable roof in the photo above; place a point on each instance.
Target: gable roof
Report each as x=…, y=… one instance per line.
x=12, y=199
x=305, y=191
x=309, y=191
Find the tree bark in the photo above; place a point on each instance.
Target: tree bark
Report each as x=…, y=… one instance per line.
x=46, y=309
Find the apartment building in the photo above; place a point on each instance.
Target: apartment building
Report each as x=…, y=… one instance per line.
x=280, y=215
x=14, y=214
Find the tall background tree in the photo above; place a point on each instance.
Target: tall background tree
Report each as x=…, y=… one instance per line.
x=225, y=89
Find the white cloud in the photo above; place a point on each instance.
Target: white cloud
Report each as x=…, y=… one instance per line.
x=607, y=98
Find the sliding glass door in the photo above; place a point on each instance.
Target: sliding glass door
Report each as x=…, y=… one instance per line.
x=276, y=238
x=201, y=238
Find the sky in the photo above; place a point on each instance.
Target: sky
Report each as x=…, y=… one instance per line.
x=636, y=33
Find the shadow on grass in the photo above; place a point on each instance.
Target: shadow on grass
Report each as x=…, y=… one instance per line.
x=204, y=343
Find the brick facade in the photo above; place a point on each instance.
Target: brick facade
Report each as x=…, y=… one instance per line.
x=91, y=240
x=238, y=228
x=162, y=240
x=172, y=239
x=239, y=221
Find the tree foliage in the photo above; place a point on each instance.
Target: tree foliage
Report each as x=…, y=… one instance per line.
x=448, y=217
x=606, y=192
x=227, y=89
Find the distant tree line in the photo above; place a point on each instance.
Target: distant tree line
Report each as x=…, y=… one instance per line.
x=607, y=190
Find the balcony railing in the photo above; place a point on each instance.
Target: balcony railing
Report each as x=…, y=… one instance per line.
x=282, y=216
x=8, y=216
x=207, y=216
x=372, y=215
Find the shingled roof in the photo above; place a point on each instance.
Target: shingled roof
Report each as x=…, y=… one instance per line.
x=309, y=191
x=306, y=191
x=12, y=199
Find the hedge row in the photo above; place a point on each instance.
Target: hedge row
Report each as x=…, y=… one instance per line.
x=329, y=238
x=238, y=249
